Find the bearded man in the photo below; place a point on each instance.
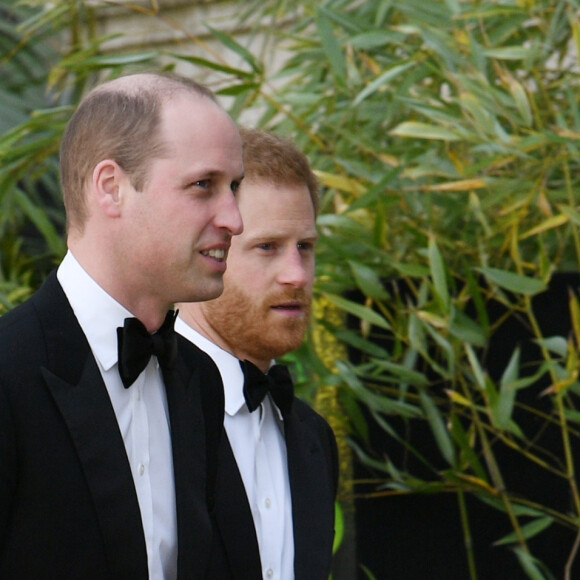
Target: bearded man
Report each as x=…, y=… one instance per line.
x=277, y=465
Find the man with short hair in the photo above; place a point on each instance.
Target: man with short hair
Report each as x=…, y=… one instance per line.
x=277, y=469
x=107, y=420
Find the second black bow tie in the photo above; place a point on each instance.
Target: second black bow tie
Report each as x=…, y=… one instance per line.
x=277, y=382
x=135, y=346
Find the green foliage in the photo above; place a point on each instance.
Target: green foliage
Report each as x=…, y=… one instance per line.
x=445, y=136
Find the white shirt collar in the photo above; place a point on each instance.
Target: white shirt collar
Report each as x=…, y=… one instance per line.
x=98, y=313
x=228, y=365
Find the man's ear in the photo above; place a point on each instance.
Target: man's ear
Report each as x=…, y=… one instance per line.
x=107, y=182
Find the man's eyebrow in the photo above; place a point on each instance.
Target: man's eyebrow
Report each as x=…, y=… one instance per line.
x=275, y=235
x=200, y=173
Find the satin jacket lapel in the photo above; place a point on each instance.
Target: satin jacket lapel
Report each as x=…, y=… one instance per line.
x=81, y=397
x=189, y=465
x=312, y=490
x=234, y=517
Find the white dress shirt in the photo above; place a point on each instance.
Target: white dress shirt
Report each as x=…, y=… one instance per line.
x=257, y=441
x=141, y=412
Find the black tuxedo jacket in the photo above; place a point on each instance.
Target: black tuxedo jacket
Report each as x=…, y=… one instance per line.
x=313, y=473
x=68, y=506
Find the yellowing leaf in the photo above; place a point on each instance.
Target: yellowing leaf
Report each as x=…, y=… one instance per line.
x=432, y=319
x=389, y=159
x=459, y=399
x=424, y=131
x=567, y=133
x=478, y=482
x=340, y=182
x=551, y=223
x=575, y=316
x=463, y=185
x=521, y=99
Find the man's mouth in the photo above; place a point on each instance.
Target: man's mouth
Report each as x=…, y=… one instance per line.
x=218, y=254
x=288, y=306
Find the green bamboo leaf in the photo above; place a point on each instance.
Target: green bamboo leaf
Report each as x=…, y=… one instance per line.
x=478, y=110
x=531, y=566
x=411, y=270
x=513, y=282
x=338, y=527
x=438, y=428
x=229, y=42
x=438, y=273
x=330, y=46
x=475, y=291
x=528, y=531
x=372, y=39
x=555, y=344
x=574, y=307
x=502, y=410
x=235, y=90
x=447, y=352
x=498, y=503
x=368, y=281
x=466, y=329
x=379, y=192
x=340, y=18
x=353, y=339
x=491, y=11
x=374, y=402
x=44, y=18
x=39, y=218
x=571, y=213
x=353, y=411
x=464, y=442
x=475, y=367
x=416, y=333
x=573, y=416
x=403, y=374
x=453, y=6
x=362, y=312
x=417, y=130
x=509, y=52
x=377, y=464
x=113, y=60
x=212, y=65
x=382, y=79
x=522, y=103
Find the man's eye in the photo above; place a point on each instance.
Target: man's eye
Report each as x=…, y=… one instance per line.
x=203, y=183
x=305, y=246
x=234, y=186
x=266, y=246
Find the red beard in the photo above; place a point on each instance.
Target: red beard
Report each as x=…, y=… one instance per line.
x=252, y=328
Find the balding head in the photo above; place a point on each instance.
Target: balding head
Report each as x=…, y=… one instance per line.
x=118, y=120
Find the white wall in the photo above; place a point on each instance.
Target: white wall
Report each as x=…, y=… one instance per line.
x=181, y=27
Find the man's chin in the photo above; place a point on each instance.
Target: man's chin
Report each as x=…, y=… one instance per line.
x=283, y=344
x=208, y=291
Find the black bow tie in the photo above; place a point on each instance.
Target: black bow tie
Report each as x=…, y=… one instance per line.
x=277, y=382
x=135, y=347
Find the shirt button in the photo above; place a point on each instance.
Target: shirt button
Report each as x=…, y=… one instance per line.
x=141, y=469
x=268, y=502
x=270, y=573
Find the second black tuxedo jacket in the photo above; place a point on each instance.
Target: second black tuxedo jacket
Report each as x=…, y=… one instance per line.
x=68, y=506
x=313, y=472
